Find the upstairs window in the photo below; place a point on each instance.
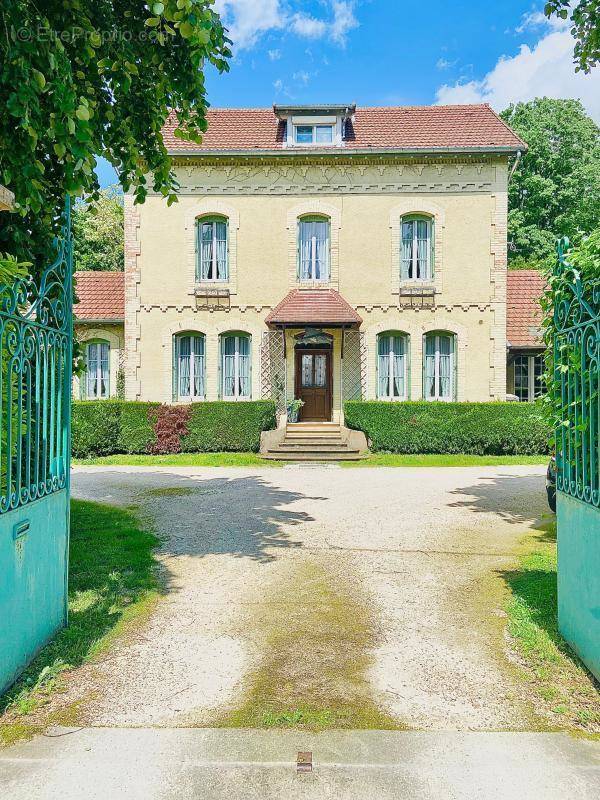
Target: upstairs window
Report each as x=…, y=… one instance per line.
x=439, y=367
x=236, y=374
x=97, y=370
x=417, y=248
x=189, y=367
x=392, y=368
x=313, y=245
x=313, y=134
x=212, y=261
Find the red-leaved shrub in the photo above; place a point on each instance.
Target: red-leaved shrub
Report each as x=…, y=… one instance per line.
x=170, y=426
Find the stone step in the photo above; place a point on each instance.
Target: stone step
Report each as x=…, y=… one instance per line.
x=313, y=442
x=310, y=448
x=316, y=456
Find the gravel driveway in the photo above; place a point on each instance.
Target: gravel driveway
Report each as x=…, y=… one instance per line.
x=423, y=543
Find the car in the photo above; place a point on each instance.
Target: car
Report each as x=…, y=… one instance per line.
x=551, y=484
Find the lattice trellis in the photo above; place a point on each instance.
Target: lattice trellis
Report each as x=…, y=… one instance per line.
x=273, y=369
x=354, y=366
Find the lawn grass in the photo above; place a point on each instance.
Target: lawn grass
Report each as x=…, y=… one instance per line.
x=316, y=633
x=113, y=586
x=560, y=689
x=254, y=460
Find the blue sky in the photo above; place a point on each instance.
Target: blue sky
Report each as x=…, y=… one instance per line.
x=388, y=52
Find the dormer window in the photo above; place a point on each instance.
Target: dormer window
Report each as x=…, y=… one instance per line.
x=313, y=134
x=314, y=126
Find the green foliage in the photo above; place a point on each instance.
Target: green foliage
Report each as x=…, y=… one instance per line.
x=98, y=234
x=223, y=426
x=582, y=261
x=469, y=428
x=585, y=19
x=82, y=77
x=105, y=427
x=95, y=427
x=555, y=191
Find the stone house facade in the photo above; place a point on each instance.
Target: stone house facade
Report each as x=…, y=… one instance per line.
x=324, y=253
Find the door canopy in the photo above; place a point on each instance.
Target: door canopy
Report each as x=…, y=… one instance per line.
x=314, y=307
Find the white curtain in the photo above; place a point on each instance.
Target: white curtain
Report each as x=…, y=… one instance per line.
x=229, y=366
x=383, y=367
x=407, y=249
x=243, y=366
x=104, y=369
x=198, y=361
x=445, y=345
x=183, y=365
x=97, y=377
x=212, y=247
x=92, y=371
x=430, y=378
x=399, y=366
x=423, y=228
x=314, y=250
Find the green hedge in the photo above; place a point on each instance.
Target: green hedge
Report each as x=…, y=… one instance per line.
x=469, y=428
x=105, y=427
x=219, y=426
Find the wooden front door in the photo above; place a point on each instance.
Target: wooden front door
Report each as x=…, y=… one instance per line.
x=313, y=384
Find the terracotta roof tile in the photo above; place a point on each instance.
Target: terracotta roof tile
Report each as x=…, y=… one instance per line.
x=400, y=127
x=523, y=313
x=313, y=306
x=101, y=295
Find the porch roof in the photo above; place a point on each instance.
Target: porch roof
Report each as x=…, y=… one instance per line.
x=313, y=307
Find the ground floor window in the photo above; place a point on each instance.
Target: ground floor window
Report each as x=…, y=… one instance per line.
x=528, y=372
x=439, y=366
x=392, y=367
x=190, y=366
x=235, y=367
x=97, y=370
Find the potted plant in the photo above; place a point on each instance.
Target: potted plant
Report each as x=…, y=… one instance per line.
x=293, y=409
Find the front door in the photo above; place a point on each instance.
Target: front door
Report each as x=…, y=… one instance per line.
x=313, y=384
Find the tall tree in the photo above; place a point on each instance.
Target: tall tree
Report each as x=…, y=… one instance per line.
x=86, y=77
x=98, y=232
x=585, y=17
x=556, y=189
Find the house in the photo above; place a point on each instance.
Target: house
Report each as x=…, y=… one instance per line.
x=525, y=367
x=99, y=329
x=327, y=253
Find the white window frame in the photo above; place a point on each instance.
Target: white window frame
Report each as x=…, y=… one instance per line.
x=437, y=373
x=531, y=397
x=191, y=336
x=213, y=221
x=414, y=219
x=392, y=366
x=236, y=367
x=313, y=252
x=314, y=126
x=97, y=343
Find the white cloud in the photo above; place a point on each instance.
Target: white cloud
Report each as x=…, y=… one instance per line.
x=536, y=19
x=248, y=20
x=544, y=70
x=302, y=76
x=274, y=55
x=278, y=85
x=307, y=26
x=443, y=63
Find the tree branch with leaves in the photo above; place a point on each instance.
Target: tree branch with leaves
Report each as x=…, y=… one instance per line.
x=585, y=19
x=80, y=78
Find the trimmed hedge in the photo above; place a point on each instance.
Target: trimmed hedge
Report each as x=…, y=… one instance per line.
x=497, y=428
x=105, y=427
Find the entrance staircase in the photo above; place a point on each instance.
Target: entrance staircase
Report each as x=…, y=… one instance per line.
x=316, y=441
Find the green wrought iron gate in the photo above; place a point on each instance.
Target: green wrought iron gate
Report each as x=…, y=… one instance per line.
x=36, y=340
x=576, y=359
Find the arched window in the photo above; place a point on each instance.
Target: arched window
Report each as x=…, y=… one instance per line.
x=189, y=366
x=439, y=368
x=417, y=248
x=211, y=248
x=392, y=366
x=96, y=383
x=236, y=379
x=313, y=248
